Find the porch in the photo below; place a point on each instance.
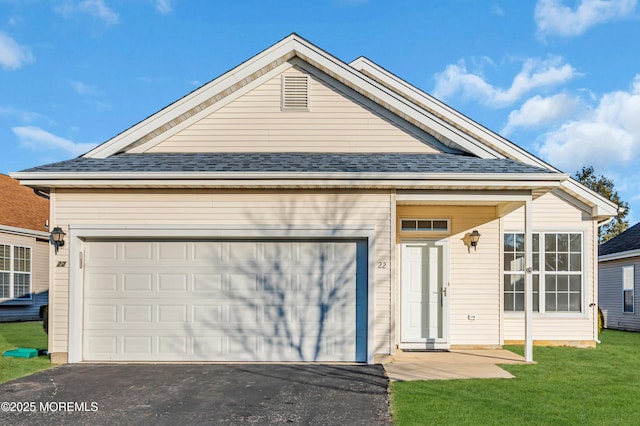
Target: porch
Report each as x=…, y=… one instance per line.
x=454, y=364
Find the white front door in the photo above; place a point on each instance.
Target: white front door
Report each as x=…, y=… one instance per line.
x=424, y=298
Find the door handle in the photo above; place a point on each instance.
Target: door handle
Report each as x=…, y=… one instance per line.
x=443, y=291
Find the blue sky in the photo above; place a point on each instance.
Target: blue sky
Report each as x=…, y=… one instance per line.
x=560, y=78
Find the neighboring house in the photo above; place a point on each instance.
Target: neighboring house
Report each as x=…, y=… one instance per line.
x=24, y=251
x=619, y=280
x=299, y=208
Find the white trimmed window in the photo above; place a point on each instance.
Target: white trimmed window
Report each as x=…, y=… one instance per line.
x=628, y=295
x=557, y=272
x=15, y=272
x=425, y=225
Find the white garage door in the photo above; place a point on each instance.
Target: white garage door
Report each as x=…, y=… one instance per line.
x=225, y=301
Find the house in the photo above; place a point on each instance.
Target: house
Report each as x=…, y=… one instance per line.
x=300, y=208
x=619, y=280
x=24, y=251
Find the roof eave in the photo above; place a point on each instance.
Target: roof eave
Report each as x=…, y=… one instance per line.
x=311, y=179
x=619, y=256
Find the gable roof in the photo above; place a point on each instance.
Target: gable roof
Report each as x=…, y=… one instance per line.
x=449, y=127
x=269, y=60
x=601, y=207
x=625, y=244
x=21, y=208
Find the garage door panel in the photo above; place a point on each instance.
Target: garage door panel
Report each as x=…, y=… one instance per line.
x=203, y=283
x=225, y=301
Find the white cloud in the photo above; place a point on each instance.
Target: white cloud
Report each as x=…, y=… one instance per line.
x=23, y=115
x=84, y=89
x=163, y=6
x=554, y=18
x=37, y=139
x=97, y=8
x=539, y=111
x=535, y=73
x=497, y=10
x=607, y=137
x=12, y=55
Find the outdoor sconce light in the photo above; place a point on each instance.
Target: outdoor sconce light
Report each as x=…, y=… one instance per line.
x=475, y=237
x=57, y=238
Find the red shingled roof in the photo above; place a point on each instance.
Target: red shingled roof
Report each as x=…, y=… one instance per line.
x=20, y=207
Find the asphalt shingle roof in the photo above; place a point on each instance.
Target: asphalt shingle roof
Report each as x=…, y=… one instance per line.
x=628, y=240
x=289, y=162
x=21, y=207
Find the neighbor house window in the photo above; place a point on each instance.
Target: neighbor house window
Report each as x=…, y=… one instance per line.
x=432, y=225
x=557, y=272
x=15, y=272
x=627, y=289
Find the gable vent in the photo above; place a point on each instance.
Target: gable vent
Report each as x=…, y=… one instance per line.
x=295, y=92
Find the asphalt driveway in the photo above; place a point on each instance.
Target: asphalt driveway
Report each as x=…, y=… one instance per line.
x=199, y=394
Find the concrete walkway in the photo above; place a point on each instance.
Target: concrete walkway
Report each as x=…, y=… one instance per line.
x=459, y=364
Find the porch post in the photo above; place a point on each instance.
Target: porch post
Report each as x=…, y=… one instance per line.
x=528, y=282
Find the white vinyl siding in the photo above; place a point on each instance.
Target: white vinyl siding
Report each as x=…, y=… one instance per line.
x=256, y=122
x=628, y=296
x=553, y=214
x=474, y=275
x=284, y=209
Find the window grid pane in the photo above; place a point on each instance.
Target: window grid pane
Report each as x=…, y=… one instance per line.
x=5, y=258
x=4, y=285
x=21, y=286
x=22, y=259
x=562, y=273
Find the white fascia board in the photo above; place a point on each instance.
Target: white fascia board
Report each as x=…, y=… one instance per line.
x=30, y=177
x=343, y=183
x=193, y=99
x=450, y=115
x=618, y=256
x=23, y=231
x=601, y=208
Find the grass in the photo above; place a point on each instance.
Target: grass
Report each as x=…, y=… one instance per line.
x=567, y=386
x=21, y=335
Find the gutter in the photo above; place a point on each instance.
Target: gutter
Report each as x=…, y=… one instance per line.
x=129, y=176
x=620, y=255
x=23, y=231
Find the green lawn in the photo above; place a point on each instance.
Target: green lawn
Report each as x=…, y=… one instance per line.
x=21, y=335
x=598, y=386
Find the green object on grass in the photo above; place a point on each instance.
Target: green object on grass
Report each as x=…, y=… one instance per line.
x=22, y=353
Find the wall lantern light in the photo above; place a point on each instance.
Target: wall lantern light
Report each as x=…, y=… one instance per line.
x=475, y=237
x=57, y=238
